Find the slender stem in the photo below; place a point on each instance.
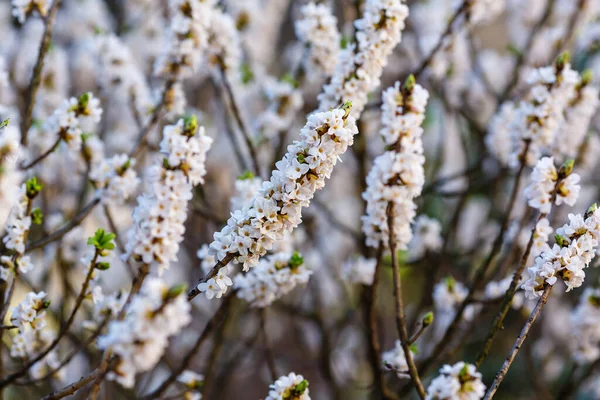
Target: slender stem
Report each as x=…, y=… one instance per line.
x=518, y=343
x=64, y=329
x=57, y=235
x=72, y=388
x=240, y=122
x=400, y=317
x=36, y=77
x=215, y=321
x=268, y=352
x=42, y=156
x=220, y=264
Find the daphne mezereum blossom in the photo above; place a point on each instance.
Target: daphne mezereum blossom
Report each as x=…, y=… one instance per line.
x=537, y=119
x=397, y=175
x=427, y=236
x=192, y=383
x=271, y=279
x=246, y=187
x=544, y=179
x=11, y=176
x=317, y=31
x=276, y=209
x=359, y=270
x=291, y=386
x=458, y=381
x=585, y=325
x=18, y=223
x=162, y=210
x=29, y=317
x=23, y=8
x=74, y=117
x=155, y=313
x=448, y=294
x=394, y=360
x=188, y=38
x=360, y=65
x=284, y=101
x=114, y=178
x=576, y=246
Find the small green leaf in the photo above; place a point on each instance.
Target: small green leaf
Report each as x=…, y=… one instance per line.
x=37, y=216
x=33, y=187
x=102, y=266
x=296, y=260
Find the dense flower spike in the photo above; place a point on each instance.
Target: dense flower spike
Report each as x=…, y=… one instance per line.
x=162, y=210
x=155, y=313
x=317, y=31
x=360, y=65
x=397, y=176
x=288, y=387
x=276, y=208
x=271, y=279
x=115, y=178
x=460, y=381
x=575, y=247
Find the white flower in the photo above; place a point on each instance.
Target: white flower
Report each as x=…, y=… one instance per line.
x=317, y=31
x=155, y=314
x=115, y=178
x=18, y=224
x=283, y=387
x=395, y=361
x=460, y=381
x=359, y=270
x=427, y=236
x=543, y=184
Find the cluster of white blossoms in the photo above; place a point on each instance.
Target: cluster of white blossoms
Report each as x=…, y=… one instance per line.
x=187, y=38
x=192, y=383
x=162, y=210
x=18, y=223
x=397, y=176
x=284, y=101
x=139, y=341
x=105, y=308
x=576, y=245
x=395, y=361
x=273, y=277
x=585, y=325
x=276, y=208
x=447, y=297
x=540, y=237
x=288, y=387
x=10, y=174
x=427, y=236
x=115, y=178
x=578, y=115
x=546, y=180
x=74, y=117
x=29, y=317
x=317, y=31
x=360, y=65
x=246, y=187
x=359, y=270
x=538, y=118
x=21, y=9
x=460, y=381
x=224, y=49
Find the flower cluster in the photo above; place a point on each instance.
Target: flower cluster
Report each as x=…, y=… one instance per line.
x=271, y=279
x=546, y=181
x=537, y=119
x=114, y=178
x=317, y=31
x=155, y=313
x=288, y=387
x=576, y=245
x=72, y=118
x=18, y=223
x=427, y=236
x=246, y=187
x=29, y=317
x=276, y=208
x=224, y=51
x=360, y=65
x=162, y=210
x=187, y=38
x=23, y=8
x=359, y=270
x=395, y=361
x=585, y=323
x=192, y=383
x=284, y=101
x=457, y=382
x=397, y=176
x=447, y=296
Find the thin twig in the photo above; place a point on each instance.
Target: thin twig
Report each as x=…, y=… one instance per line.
x=518, y=343
x=42, y=156
x=220, y=264
x=36, y=77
